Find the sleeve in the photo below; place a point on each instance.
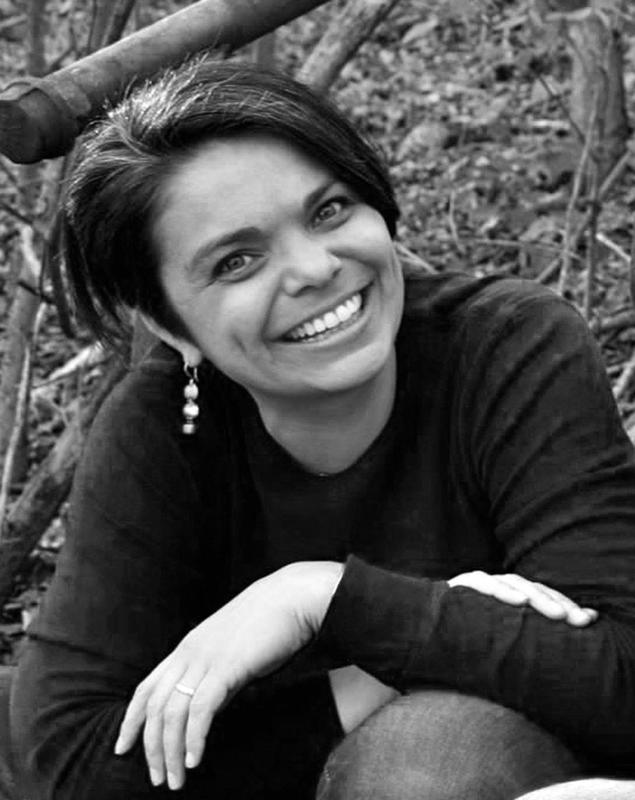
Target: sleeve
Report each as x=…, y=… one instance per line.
x=540, y=434
x=143, y=564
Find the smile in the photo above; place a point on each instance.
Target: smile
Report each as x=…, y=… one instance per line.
x=341, y=316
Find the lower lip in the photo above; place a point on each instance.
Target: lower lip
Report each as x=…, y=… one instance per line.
x=349, y=326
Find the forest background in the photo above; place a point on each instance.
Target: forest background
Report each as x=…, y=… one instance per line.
x=506, y=128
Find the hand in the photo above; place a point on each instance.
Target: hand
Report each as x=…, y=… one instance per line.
x=250, y=636
x=518, y=591
x=357, y=694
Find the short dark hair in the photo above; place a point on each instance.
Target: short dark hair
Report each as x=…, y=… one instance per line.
x=124, y=159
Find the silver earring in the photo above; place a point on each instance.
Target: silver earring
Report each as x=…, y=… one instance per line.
x=190, y=393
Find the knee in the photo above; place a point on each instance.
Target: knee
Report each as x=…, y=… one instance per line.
x=441, y=745
x=589, y=789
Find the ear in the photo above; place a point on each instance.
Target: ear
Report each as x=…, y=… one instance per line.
x=189, y=352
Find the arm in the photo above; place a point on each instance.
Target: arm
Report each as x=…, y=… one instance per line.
x=144, y=563
x=539, y=428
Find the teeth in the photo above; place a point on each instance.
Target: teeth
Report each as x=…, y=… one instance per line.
x=332, y=319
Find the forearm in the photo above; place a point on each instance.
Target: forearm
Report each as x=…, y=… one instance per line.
x=406, y=631
x=68, y=712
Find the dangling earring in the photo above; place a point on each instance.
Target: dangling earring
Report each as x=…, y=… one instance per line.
x=190, y=393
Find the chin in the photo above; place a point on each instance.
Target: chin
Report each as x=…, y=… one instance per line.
x=351, y=373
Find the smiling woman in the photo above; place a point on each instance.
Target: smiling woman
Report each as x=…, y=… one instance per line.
x=376, y=542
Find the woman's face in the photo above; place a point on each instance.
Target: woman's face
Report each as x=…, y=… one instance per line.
x=285, y=280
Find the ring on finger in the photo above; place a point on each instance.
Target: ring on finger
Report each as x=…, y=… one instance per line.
x=181, y=687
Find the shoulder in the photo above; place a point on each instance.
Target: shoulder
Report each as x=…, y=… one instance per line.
x=149, y=389
x=478, y=310
x=138, y=430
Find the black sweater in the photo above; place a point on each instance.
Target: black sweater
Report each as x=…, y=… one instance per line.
x=504, y=452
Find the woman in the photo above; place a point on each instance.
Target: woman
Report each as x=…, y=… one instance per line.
x=335, y=514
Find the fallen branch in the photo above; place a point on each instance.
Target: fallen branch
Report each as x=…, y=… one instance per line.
x=41, y=498
x=40, y=118
x=616, y=322
x=344, y=34
x=89, y=356
x=19, y=420
x=20, y=328
x=16, y=19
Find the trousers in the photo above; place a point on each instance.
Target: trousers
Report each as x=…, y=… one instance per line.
x=442, y=745
x=432, y=745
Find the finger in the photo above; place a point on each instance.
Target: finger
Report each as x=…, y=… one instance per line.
x=136, y=710
x=173, y=738
x=211, y=695
x=490, y=585
x=153, y=729
x=175, y=718
x=576, y=615
x=537, y=596
x=552, y=603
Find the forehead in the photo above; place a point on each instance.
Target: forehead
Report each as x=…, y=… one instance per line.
x=248, y=166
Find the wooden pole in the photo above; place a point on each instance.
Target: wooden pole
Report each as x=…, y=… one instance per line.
x=40, y=117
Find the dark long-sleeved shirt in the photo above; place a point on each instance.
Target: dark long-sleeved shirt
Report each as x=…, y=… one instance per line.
x=504, y=452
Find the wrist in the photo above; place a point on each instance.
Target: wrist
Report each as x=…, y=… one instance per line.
x=317, y=582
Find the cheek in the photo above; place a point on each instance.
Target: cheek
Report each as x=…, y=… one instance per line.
x=229, y=321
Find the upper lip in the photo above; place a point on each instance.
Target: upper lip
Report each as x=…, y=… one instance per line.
x=319, y=312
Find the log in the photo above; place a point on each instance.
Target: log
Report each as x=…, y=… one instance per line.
x=41, y=117
x=343, y=36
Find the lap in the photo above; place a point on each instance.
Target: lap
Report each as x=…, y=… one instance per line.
x=442, y=745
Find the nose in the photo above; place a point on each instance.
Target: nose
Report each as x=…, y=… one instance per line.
x=307, y=264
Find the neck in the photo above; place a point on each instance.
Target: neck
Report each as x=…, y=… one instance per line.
x=327, y=434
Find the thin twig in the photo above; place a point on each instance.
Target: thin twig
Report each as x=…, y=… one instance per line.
x=452, y=223
x=555, y=96
x=573, y=200
x=604, y=239
x=592, y=245
x=520, y=244
x=623, y=382
x=4, y=166
x=550, y=270
x=415, y=259
x=11, y=21
x=120, y=16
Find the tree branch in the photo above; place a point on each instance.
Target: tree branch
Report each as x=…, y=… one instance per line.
x=344, y=34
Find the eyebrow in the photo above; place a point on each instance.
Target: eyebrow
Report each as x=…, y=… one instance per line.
x=250, y=232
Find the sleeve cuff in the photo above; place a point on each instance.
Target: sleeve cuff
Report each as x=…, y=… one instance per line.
x=377, y=619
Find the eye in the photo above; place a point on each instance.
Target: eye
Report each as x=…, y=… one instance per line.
x=331, y=210
x=235, y=265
